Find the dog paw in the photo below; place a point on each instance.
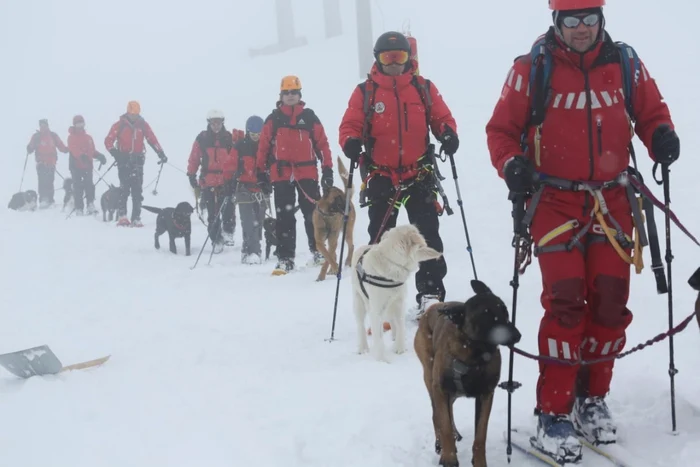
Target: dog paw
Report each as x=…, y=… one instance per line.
x=399, y=349
x=449, y=461
x=362, y=350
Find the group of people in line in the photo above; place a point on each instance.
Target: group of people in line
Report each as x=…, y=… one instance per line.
x=583, y=138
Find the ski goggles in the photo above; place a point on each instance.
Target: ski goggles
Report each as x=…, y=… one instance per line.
x=572, y=22
x=293, y=92
x=390, y=57
x=80, y=125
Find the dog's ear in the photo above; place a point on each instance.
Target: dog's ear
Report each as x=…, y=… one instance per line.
x=425, y=253
x=455, y=313
x=480, y=288
x=694, y=280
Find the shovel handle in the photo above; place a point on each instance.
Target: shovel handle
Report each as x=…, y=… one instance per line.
x=83, y=365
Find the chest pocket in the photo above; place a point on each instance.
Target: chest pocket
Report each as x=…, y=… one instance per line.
x=294, y=143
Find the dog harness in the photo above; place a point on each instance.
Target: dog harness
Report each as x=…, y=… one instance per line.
x=377, y=281
x=460, y=369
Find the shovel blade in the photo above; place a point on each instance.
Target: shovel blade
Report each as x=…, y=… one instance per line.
x=31, y=362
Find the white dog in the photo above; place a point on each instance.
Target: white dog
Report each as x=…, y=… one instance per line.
x=379, y=284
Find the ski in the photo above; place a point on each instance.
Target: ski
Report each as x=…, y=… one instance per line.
x=615, y=454
x=520, y=440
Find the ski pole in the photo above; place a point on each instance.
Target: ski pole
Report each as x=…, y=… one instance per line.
x=155, y=190
x=106, y=171
x=24, y=170
x=206, y=240
x=518, y=200
x=59, y=174
x=461, y=208
x=346, y=214
x=672, y=371
x=218, y=226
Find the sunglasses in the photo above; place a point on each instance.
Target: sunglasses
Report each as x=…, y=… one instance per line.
x=293, y=92
x=80, y=125
x=390, y=57
x=572, y=22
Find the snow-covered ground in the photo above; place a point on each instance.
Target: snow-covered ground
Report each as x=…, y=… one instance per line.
x=225, y=365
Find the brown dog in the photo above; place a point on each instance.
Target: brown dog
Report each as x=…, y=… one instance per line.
x=328, y=223
x=694, y=282
x=457, y=344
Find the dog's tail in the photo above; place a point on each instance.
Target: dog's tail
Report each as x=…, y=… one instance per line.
x=152, y=209
x=345, y=176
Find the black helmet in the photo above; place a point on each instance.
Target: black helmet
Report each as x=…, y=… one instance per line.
x=391, y=40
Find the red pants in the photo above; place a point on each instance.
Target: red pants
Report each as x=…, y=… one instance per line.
x=584, y=297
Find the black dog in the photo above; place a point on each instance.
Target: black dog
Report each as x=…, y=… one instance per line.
x=23, y=201
x=68, y=190
x=110, y=202
x=270, y=229
x=176, y=221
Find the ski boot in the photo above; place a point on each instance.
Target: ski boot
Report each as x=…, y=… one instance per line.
x=283, y=267
x=593, y=420
x=228, y=238
x=425, y=302
x=556, y=438
x=251, y=259
x=136, y=223
x=316, y=260
x=123, y=222
x=91, y=209
x=79, y=212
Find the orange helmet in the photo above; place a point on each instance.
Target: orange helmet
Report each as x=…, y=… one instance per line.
x=563, y=5
x=133, y=108
x=290, y=83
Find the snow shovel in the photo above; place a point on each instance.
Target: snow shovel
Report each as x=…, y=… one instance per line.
x=39, y=361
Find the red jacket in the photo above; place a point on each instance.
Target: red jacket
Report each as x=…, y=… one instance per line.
x=211, y=151
x=80, y=144
x=581, y=139
x=300, y=141
x=44, y=144
x=398, y=123
x=129, y=135
x=243, y=163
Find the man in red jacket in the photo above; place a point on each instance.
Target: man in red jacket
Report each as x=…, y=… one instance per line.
x=292, y=143
x=573, y=162
x=402, y=109
x=211, y=154
x=44, y=144
x=130, y=155
x=82, y=152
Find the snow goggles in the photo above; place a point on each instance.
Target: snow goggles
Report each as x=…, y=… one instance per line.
x=80, y=125
x=393, y=56
x=572, y=22
x=293, y=92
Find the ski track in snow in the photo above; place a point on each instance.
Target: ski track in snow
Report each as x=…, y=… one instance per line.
x=205, y=371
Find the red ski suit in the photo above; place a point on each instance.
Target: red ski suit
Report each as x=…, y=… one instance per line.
x=398, y=124
x=296, y=147
x=44, y=144
x=585, y=137
x=212, y=151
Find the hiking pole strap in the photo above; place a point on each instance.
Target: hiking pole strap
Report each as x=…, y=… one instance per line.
x=657, y=265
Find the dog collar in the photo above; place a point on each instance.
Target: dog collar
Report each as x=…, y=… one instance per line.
x=461, y=369
x=178, y=226
x=377, y=281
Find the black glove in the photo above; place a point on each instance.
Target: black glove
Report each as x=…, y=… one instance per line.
x=85, y=159
x=352, y=149
x=665, y=145
x=193, y=181
x=450, y=141
x=114, y=152
x=161, y=156
x=519, y=174
x=326, y=178
x=264, y=183
x=101, y=157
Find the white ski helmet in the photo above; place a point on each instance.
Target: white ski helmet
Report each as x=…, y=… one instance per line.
x=214, y=113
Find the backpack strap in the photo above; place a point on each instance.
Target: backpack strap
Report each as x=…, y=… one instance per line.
x=631, y=70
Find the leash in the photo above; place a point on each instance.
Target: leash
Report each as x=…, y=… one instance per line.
x=655, y=340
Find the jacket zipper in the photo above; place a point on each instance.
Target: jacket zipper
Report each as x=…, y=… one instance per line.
x=589, y=110
x=405, y=115
x=398, y=106
x=599, y=123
